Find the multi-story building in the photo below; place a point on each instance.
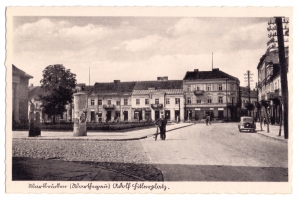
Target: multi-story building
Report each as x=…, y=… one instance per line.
x=269, y=85
x=20, y=95
x=213, y=93
x=110, y=101
x=151, y=99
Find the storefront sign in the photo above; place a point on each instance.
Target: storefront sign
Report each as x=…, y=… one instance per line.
x=220, y=108
x=157, y=106
x=211, y=108
x=197, y=108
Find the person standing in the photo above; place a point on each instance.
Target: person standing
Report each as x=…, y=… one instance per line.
x=162, y=123
x=207, y=119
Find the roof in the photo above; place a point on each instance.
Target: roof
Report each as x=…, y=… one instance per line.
x=202, y=75
x=17, y=71
x=146, y=92
x=156, y=85
x=35, y=92
x=113, y=88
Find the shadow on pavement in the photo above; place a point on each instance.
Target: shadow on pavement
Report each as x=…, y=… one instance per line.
x=24, y=168
x=58, y=170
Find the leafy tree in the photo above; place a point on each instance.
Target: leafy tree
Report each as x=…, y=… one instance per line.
x=58, y=84
x=250, y=107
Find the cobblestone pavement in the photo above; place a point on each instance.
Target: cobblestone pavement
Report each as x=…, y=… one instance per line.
x=126, y=157
x=218, y=152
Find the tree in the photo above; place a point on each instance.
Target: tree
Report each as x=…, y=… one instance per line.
x=58, y=84
x=250, y=107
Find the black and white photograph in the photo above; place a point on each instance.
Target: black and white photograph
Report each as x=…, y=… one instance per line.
x=149, y=100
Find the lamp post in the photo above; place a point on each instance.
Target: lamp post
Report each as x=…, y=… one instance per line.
x=184, y=96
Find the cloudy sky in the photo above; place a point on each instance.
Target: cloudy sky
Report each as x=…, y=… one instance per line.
x=138, y=48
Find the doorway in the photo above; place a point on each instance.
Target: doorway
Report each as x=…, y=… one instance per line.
x=156, y=114
x=167, y=114
x=125, y=115
x=108, y=116
x=177, y=115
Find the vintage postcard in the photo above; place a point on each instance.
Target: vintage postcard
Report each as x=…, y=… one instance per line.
x=149, y=100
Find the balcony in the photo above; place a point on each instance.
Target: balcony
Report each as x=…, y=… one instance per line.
x=157, y=106
x=199, y=92
x=109, y=106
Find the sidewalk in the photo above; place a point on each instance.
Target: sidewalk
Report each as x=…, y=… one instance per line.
x=274, y=131
x=101, y=136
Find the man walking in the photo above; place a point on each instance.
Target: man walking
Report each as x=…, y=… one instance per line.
x=207, y=119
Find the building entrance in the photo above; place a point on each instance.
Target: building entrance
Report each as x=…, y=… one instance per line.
x=108, y=115
x=125, y=115
x=156, y=114
x=167, y=114
x=177, y=115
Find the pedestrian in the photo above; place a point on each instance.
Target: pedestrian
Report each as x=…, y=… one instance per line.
x=207, y=119
x=265, y=121
x=162, y=123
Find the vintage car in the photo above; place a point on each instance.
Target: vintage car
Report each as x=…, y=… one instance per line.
x=247, y=123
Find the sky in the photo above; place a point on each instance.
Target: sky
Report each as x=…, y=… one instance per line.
x=138, y=48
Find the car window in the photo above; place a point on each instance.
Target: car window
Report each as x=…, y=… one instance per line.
x=247, y=120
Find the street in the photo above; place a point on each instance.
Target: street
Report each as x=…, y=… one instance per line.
x=218, y=152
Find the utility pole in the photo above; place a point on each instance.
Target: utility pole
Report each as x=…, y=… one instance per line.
x=278, y=28
x=248, y=79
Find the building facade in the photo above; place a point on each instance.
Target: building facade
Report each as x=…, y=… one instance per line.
x=20, y=81
x=245, y=96
x=269, y=84
x=151, y=99
x=110, y=102
x=212, y=93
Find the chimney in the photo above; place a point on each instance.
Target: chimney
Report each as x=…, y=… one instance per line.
x=165, y=78
x=117, y=81
x=196, y=70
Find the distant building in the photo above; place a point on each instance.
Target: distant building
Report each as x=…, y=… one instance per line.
x=245, y=98
x=213, y=93
x=151, y=99
x=20, y=81
x=110, y=102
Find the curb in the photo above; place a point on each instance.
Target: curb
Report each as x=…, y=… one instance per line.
x=284, y=140
x=95, y=139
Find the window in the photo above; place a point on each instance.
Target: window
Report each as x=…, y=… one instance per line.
x=167, y=100
x=177, y=100
x=232, y=86
x=220, y=99
x=220, y=87
x=137, y=101
x=117, y=102
x=208, y=87
x=125, y=101
x=189, y=100
x=108, y=102
x=198, y=100
x=198, y=88
x=189, y=88
x=156, y=101
x=92, y=102
x=99, y=102
x=146, y=101
x=209, y=100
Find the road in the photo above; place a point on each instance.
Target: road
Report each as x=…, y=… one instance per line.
x=218, y=152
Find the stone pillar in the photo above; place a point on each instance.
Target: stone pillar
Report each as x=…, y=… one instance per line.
x=31, y=121
x=80, y=106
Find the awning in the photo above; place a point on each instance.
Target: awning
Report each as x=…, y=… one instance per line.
x=157, y=106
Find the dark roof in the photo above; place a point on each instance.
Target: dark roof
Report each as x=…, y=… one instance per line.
x=113, y=87
x=202, y=75
x=17, y=71
x=35, y=92
x=168, y=84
